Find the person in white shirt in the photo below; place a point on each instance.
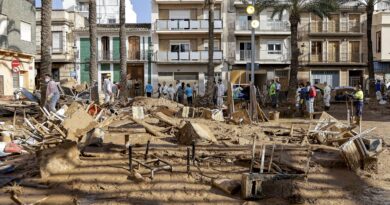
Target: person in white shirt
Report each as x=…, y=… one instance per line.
x=107, y=89
x=195, y=89
x=164, y=90
x=178, y=84
x=327, y=91
x=220, y=93
x=171, y=92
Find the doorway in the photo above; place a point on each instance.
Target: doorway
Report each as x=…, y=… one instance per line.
x=333, y=51
x=355, y=78
x=105, y=48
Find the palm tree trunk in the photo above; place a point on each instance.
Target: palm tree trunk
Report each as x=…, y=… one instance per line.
x=45, y=46
x=293, y=81
x=208, y=98
x=370, y=63
x=93, y=70
x=123, y=55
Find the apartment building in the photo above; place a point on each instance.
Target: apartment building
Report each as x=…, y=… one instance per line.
x=137, y=46
x=272, y=45
x=17, y=46
x=180, y=41
x=63, y=48
x=381, y=44
x=334, y=49
x=107, y=10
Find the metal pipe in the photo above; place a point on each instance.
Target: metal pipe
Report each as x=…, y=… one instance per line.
x=147, y=150
x=193, y=151
x=188, y=160
x=130, y=158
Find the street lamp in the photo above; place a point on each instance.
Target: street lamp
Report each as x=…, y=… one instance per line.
x=250, y=10
x=75, y=55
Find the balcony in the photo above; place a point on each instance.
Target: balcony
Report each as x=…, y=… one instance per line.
x=187, y=57
x=266, y=27
x=264, y=56
x=333, y=28
x=115, y=56
x=333, y=58
x=186, y=26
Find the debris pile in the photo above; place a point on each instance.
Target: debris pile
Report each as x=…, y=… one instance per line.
x=54, y=143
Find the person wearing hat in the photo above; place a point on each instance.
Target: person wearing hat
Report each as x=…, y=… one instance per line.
x=107, y=88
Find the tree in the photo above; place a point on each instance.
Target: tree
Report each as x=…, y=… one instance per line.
x=295, y=8
x=93, y=70
x=123, y=55
x=45, y=46
x=209, y=94
x=369, y=6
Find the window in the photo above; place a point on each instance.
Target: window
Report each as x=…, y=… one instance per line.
x=83, y=6
x=108, y=2
x=245, y=51
x=15, y=80
x=216, y=45
x=25, y=31
x=274, y=18
x=217, y=14
x=316, y=47
x=274, y=48
x=111, y=21
x=57, y=41
x=378, y=42
x=180, y=47
x=3, y=25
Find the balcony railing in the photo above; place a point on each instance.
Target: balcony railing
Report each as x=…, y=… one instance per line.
x=274, y=26
x=186, y=25
x=115, y=56
x=190, y=56
x=264, y=56
x=333, y=58
x=334, y=27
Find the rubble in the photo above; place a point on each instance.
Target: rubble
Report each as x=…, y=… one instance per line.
x=157, y=132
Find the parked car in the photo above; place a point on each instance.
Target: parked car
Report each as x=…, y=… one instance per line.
x=340, y=94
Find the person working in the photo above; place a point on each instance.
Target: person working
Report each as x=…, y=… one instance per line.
x=359, y=99
x=171, y=92
x=220, y=94
x=189, y=93
x=311, y=94
x=180, y=93
x=52, y=94
x=149, y=90
x=272, y=93
x=107, y=89
x=327, y=91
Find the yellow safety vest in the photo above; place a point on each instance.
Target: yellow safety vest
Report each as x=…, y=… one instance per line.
x=359, y=95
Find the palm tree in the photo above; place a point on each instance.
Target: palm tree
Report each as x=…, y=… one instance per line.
x=208, y=98
x=295, y=8
x=93, y=70
x=45, y=45
x=369, y=6
x=123, y=55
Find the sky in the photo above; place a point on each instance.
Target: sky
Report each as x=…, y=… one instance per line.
x=141, y=7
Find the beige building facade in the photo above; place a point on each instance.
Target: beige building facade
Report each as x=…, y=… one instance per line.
x=381, y=44
x=333, y=49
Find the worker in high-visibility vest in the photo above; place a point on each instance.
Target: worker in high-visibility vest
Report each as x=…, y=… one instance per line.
x=272, y=93
x=359, y=101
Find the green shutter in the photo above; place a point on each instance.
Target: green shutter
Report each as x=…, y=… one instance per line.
x=85, y=46
x=116, y=48
x=105, y=67
x=117, y=73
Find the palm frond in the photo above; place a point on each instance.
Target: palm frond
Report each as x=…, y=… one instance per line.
x=321, y=8
x=279, y=9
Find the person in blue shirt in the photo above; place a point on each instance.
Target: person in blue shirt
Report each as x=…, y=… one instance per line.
x=149, y=90
x=189, y=93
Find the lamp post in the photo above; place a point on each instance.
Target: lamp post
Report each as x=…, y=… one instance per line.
x=75, y=55
x=250, y=10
